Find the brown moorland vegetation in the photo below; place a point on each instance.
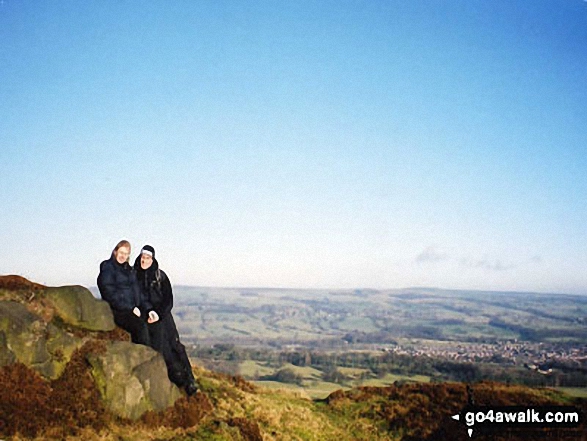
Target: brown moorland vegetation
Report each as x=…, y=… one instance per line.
x=19, y=283
x=423, y=411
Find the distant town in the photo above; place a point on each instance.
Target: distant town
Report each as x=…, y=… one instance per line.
x=534, y=356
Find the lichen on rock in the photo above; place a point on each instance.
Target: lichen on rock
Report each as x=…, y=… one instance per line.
x=132, y=379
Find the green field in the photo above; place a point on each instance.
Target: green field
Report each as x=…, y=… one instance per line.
x=312, y=385
x=312, y=390
x=250, y=369
x=579, y=392
x=389, y=379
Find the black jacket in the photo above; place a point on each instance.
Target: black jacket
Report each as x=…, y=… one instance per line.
x=118, y=285
x=155, y=288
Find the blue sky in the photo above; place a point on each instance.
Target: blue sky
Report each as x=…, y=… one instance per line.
x=323, y=144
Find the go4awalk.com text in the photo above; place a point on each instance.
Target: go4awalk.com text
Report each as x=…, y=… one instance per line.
x=487, y=418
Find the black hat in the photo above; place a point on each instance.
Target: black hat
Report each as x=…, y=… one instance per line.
x=148, y=249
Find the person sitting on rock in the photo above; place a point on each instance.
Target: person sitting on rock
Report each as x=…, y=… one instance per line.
x=158, y=299
x=118, y=285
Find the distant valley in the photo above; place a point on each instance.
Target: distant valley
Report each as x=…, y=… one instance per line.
x=303, y=317
x=321, y=340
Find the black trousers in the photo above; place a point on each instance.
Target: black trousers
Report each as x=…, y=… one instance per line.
x=164, y=338
x=135, y=326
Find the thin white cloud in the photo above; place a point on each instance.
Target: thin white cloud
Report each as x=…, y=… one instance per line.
x=434, y=254
x=431, y=254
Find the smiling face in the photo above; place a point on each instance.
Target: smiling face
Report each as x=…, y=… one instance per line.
x=146, y=261
x=121, y=254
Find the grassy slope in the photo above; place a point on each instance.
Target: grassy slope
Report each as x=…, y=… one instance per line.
x=237, y=410
x=242, y=411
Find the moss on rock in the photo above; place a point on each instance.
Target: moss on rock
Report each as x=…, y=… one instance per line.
x=76, y=306
x=29, y=340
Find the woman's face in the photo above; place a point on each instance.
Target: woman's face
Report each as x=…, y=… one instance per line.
x=146, y=261
x=122, y=254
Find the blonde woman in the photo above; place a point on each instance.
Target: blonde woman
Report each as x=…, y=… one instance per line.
x=118, y=285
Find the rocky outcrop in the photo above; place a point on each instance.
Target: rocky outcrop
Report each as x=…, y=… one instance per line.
x=76, y=306
x=26, y=338
x=42, y=327
x=132, y=379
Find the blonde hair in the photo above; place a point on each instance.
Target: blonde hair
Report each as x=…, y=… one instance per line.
x=121, y=244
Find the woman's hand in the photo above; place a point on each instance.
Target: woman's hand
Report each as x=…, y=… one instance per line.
x=153, y=317
x=136, y=312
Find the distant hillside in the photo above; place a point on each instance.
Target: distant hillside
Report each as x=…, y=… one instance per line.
x=229, y=408
x=290, y=316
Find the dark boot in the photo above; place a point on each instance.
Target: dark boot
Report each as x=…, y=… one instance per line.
x=191, y=388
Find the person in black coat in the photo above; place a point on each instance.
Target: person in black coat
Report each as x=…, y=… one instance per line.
x=158, y=301
x=118, y=285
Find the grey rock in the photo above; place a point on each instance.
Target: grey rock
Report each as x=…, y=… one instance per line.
x=76, y=306
x=132, y=379
x=29, y=340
